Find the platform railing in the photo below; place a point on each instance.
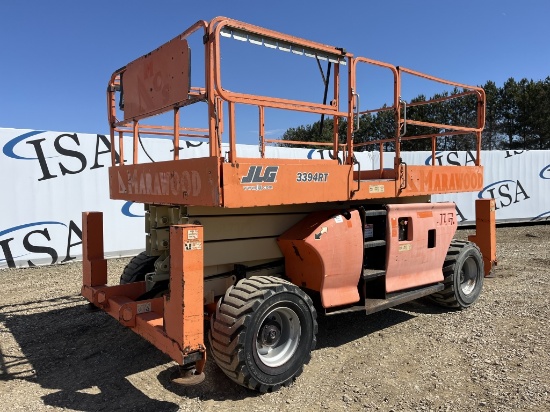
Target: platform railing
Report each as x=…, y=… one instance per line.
x=218, y=99
x=399, y=108
x=223, y=27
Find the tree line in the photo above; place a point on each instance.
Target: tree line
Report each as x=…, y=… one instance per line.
x=517, y=117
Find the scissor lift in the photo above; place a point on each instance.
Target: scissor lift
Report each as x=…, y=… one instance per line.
x=233, y=237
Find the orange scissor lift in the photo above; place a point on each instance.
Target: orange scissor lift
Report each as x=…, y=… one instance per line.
x=251, y=242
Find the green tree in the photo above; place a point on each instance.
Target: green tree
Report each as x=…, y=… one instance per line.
x=493, y=116
x=509, y=112
x=310, y=133
x=516, y=117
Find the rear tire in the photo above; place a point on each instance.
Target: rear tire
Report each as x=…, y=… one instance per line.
x=263, y=332
x=137, y=268
x=463, y=276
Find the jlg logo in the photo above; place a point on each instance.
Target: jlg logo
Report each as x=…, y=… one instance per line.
x=256, y=174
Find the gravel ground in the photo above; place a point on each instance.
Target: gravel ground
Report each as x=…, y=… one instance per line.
x=55, y=354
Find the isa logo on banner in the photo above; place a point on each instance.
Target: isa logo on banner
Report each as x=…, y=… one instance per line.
x=58, y=155
x=40, y=242
x=505, y=193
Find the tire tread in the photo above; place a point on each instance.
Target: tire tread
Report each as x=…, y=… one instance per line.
x=448, y=296
x=232, y=318
x=137, y=268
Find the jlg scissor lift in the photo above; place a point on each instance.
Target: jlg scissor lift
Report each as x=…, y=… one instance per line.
x=247, y=242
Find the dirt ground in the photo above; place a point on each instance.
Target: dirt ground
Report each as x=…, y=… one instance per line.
x=494, y=356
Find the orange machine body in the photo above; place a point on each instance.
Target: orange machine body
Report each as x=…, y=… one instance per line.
x=268, y=182
x=418, y=237
x=324, y=252
x=357, y=235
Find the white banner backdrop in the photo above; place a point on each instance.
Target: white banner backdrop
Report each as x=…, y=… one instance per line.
x=50, y=178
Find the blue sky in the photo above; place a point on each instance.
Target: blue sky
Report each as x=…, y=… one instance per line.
x=57, y=56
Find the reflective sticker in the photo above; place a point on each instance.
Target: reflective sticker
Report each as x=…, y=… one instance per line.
x=324, y=230
x=143, y=307
x=404, y=248
x=196, y=245
x=424, y=214
x=376, y=189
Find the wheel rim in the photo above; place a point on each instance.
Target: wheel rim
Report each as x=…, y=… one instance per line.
x=468, y=276
x=278, y=337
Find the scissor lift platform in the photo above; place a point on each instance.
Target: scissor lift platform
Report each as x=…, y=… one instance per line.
x=215, y=220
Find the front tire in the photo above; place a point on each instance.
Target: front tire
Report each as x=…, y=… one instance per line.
x=263, y=332
x=463, y=276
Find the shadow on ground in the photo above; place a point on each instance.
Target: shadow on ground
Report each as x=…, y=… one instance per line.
x=85, y=356
x=72, y=349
